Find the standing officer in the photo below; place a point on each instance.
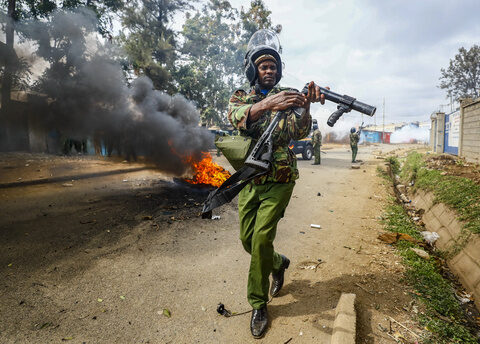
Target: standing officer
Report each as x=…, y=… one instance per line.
x=317, y=144
x=262, y=203
x=354, y=138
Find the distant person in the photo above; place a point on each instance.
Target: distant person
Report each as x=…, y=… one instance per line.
x=317, y=144
x=354, y=138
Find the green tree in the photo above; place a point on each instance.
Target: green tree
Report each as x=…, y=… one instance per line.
x=257, y=17
x=209, y=68
x=148, y=40
x=462, y=77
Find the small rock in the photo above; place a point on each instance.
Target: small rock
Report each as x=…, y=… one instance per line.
x=420, y=253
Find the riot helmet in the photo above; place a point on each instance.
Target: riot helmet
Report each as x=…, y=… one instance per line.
x=352, y=130
x=263, y=45
x=314, y=124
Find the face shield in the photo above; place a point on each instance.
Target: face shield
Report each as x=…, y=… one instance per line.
x=264, y=38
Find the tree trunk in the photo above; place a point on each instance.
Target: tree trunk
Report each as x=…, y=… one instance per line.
x=7, y=77
x=6, y=87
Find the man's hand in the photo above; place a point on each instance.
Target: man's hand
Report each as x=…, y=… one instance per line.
x=278, y=102
x=284, y=100
x=314, y=94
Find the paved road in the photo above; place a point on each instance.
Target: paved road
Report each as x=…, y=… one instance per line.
x=97, y=269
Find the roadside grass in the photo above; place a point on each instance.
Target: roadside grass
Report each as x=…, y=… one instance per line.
x=461, y=194
x=443, y=318
x=394, y=164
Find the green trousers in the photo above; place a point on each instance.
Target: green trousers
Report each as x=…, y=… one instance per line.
x=317, y=153
x=260, y=208
x=354, y=152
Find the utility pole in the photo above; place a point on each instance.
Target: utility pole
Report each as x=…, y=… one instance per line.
x=383, y=130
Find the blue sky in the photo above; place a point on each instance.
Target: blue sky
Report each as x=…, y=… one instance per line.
x=374, y=49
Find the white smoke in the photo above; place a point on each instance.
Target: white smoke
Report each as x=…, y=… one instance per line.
x=411, y=134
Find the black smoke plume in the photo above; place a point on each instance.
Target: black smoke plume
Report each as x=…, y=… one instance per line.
x=89, y=96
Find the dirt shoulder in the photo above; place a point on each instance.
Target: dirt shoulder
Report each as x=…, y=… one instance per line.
x=99, y=260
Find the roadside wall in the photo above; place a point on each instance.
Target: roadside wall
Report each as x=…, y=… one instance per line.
x=446, y=137
x=470, y=130
x=465, y=263
x=437, y=131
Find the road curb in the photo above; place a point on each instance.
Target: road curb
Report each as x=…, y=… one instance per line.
x=344, y=326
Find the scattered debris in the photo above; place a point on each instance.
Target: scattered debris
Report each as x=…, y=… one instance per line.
x=364, y=289
x=404, y=198
x=216, y=217
x=167, y=313
x=406, y=328
x=122, y=297
x=355, y=167
x=47, y=324
x=430, y=237
x=464, y=298
x=64, y=339
x=420, y=253
x=147, y=217
x=311, y=265
x=392, y=238
x=222, y=311
x=67, y=185
x=315, y=226
x=319, y=194
x=401, y=188
x=100, y=300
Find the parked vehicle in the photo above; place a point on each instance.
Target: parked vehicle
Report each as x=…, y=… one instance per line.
x=303, y=147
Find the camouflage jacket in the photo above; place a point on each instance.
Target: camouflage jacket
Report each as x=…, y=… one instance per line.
x=316, y=138
x=284, y=164
x=354, y=138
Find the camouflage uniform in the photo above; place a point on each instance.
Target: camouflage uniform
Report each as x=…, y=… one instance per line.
x=317, y=143
x=354, y=138
x=262, y=203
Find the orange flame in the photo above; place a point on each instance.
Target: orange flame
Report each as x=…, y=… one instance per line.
x=207, y=172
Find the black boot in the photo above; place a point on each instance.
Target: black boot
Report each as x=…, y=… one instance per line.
x=278, y=277
x=259, y=322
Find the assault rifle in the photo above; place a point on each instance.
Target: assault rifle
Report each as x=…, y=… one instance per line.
x=360, y=128
x=259, y=161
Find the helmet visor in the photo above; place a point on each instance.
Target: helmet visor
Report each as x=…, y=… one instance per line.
x=263, y=38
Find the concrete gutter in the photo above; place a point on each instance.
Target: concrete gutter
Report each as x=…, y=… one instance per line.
x=344, y=326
